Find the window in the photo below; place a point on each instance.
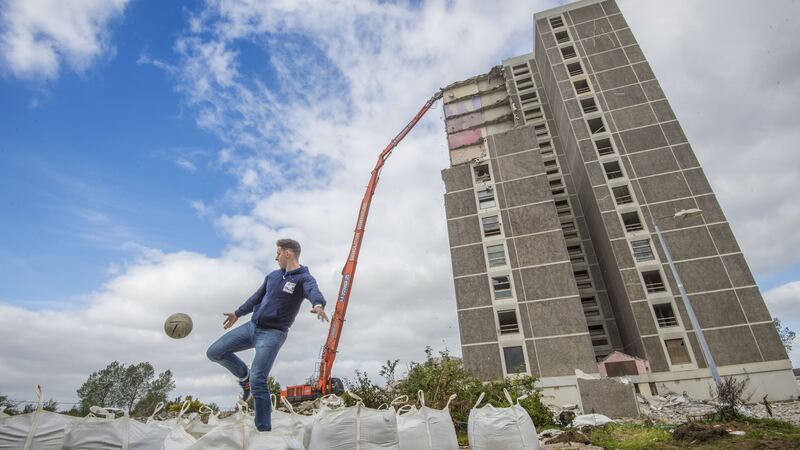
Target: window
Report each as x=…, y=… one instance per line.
x=612, y=170
x=515, y=360
x=574, y=69
x=533, y=114
x=562, y=36
x=546, y=147
x=528, y=98
x=556, y=183
x=482, y=174
x=486, y=198
x=502, y=287
x=665, y=315
x=540, y=130
x=604, y=147
x=588, y=105
x=581, y=86
x=588, y=303
x=496, y=254
x=642, y=251
x=596, y=125
x=678, y=353
x=583, y=279
x=557, y=22
x=575, y=254
x=508, y=322
x=632, y=222
x=653, y=282
x=598, y=335
x=622, y=195
x=491, y=226
x=558, y=191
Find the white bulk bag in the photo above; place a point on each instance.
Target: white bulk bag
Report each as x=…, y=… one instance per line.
x=3, y=412
x=426, y=428
x=354, y=428
x=33, y=431
x=300, y=424
x=243, y=435
x=511, y=428
x=123, y=433
x=197, y=428
x=177, y=437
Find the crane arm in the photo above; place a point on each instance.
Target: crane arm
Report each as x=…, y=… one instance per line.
x=349, y=270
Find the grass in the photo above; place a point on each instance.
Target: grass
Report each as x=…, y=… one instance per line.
x=760, y=433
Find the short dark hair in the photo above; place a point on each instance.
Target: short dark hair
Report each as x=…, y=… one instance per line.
x=289, y=244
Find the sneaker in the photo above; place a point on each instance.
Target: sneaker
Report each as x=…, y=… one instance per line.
x=246, y=395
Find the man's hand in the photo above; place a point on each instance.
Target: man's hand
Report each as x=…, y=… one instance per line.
x=230, y=319
x=320, y=313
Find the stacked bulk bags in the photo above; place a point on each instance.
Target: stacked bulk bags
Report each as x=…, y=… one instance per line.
x=243, y=435
x=353, y=428
x=426, y=428
x=511, y=428
x=302, y=425
x=123, y=433
x=39, y=430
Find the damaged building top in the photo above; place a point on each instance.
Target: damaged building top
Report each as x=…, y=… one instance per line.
x=562, y=162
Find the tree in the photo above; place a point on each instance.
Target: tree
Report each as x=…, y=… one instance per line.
x=274, y=387
x=785, y=333
x=131, y=388
x=50, y=405
x=7, y=406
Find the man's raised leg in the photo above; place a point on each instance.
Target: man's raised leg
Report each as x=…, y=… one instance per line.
x=223, y=350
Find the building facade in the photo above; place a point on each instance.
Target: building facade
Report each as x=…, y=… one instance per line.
x=562, y=162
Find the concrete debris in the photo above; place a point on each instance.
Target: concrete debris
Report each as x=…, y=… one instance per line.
x=549, y=433
x=590, y=420
x=675, y=409
x=737, y=433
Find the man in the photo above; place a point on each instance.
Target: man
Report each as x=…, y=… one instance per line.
x=274, y=306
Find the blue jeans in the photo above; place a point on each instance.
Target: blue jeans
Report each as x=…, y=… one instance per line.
x=267, y=342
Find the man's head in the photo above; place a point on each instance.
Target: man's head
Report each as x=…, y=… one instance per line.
x=288, y=251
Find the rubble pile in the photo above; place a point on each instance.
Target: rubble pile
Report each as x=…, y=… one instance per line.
x=676, y=408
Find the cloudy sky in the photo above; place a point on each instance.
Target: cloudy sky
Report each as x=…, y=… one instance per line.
x=152, y=152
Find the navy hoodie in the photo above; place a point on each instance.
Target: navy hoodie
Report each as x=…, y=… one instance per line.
x=276, y=303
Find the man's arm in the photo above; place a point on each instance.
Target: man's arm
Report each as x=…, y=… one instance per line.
x=314, y=295
x=250, y=303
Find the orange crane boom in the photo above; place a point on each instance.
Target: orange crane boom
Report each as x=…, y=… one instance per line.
x=325, y=384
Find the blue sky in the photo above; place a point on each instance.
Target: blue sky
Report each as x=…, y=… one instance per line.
x=92, y=166
x=151, y=151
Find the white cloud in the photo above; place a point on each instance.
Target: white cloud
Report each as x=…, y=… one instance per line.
x=301, y=149
x=39, y=36
x=784, y=302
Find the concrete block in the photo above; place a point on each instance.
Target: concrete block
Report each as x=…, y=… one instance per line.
x=483, y=361
x=526, y=190
x=674, y=133
x=477, y=325
x=613, y=225
x=753, y=304
x=465, y=230
x=652, y=90
x=769, y=342
x=473, y=291
x=519, y=165
x=540, y=248
x=644, y=318
x=633, y=117
x=461, y=203
x=698, y=182
x=586, y=13
x=555, y=280
x=595, y=28
x=655, y=354
x=633, y=284
x=554, y=361
x=717, y=309
x=533, y=218
x=616, y=77
x=723, y=238
x=685, y=156
x=548, y=40
x=596, y=175
x=598, y=45
x=738, y=270
x=711, y=209
x=532, y=361
x=608, y=60
x=512, y=141
x=624, y=96
x=588, y=152
x=664, y=187
x=457, y=178
x=688, y=243
x=666, y=211
x=643, y=71
x=663, y=111
x=643, y=139
x=608, y=396
x=610, y=7
x=468, y=260
x=732, y=346
x=556, y=317
x=580, y=129
x=573, y=110
x=622, y=251
x=618, y=22
x=653, y=162
x=703, y=275
x=626, y=37
x=525, y=320
x=605, y=201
